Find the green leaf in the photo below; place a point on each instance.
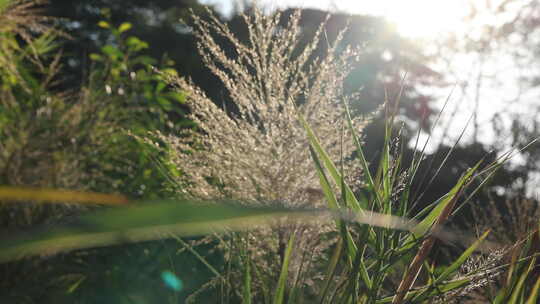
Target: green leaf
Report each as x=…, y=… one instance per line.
x=159, y=87
x=330, y=272
x=136, y=44
x=177, y=96
x=462, y=258
x=104, y=24
x=96, y=57
x=333, y=205
x=126, y=26
x=113, y=52
x=24, y=194
x=164, y=103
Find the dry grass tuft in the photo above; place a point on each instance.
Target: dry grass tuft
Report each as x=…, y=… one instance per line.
x=259, y=152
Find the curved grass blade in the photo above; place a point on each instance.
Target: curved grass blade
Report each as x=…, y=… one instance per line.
x=425, y=224
x=142, y=223
x=338, y=179
x=333, y=205
x=452, y=268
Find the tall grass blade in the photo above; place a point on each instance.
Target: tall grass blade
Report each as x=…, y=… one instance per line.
x=330, y=272
x=452, y=268
x=517, y=292
x=425, y=224
x=314, y=142
x=533, y=298
x=434, y=220
x=246, y=294
x=363, y=161
x=281, y=285
x=333, y=205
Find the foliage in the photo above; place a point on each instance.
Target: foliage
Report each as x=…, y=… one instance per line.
x=225, y=162
x=372, y=248
x=314, y=221
x=128, y=74
x=45, y=135
x=73, y=138
x=124, y=77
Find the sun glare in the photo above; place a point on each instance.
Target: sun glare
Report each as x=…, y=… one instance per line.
x=415, y=18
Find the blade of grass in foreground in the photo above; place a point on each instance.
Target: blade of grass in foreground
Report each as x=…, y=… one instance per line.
x=157, y=220
x=141, y=223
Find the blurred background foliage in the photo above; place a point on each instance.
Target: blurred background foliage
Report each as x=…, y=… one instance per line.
x=77, y=90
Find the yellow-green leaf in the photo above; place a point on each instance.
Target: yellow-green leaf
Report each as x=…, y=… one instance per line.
x=104, y=24
x=126, y=26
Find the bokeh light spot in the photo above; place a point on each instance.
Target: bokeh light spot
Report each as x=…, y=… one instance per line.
x=171, y=280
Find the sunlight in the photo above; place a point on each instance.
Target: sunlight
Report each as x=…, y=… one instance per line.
x=415, y=18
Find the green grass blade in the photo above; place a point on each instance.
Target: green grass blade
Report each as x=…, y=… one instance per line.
x=324, y=182
x=533, y=298
x=329, y=165
x=333, y=205
x=423, y=227
x=445, y=287
x=363, y=161
x=452, y=268
x=330, y=272
x=462, y=258
x=141, y=223
x=435, y=219
x=517, y=292
x=246, y=294
x=280, y=288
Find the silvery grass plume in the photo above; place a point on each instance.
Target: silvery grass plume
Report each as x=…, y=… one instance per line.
x=260, y=154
